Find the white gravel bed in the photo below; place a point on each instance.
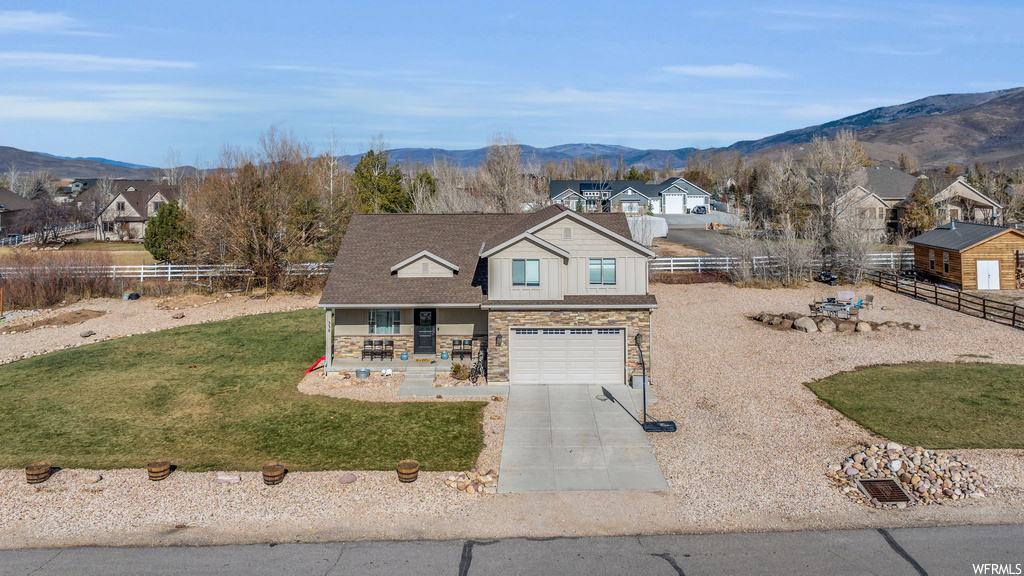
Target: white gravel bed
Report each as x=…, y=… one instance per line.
x=128, y=317
x=751, y=453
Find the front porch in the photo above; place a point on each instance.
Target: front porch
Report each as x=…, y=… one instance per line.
x=433, y=362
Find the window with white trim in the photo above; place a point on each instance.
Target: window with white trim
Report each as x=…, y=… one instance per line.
x=120, y=206
x=609, y=331
x=931, y=259
x=602, y=271
x=526, y=272
x=526, y=331
x=385, y=321
x=551, y=331
x=945, y=262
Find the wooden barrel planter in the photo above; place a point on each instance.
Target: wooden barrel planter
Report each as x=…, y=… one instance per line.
x=159, y=470
x=38, y=472
x=408, y=470
x=273, y=473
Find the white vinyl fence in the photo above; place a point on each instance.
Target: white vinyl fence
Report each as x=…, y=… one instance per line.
x=17, y=239
x=699, y=264
x=169, y=271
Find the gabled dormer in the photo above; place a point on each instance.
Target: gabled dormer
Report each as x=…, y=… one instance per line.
x=424, y=264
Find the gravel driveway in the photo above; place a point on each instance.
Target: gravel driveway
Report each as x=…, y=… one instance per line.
x=750, y=455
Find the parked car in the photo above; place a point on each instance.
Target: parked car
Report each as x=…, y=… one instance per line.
x=699, y=210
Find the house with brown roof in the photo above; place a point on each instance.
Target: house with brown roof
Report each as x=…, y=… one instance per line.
x=133, y=204
x=11, y=205
x=550, y=297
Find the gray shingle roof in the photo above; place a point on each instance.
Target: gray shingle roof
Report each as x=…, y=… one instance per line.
x=960, y=237
x=615, y=186
x=376, y=242
x=887, y=183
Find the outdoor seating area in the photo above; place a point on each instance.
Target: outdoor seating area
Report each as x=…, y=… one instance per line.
x=845, y=305
x=462, y=349
x=378, y=350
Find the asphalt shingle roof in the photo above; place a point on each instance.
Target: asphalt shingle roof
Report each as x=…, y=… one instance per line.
x=11, y=201
x=960, y=237
x=887, y=183
x=376, y=242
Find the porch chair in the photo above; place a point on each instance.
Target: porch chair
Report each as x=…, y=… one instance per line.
x=462, y=348
x=378, y=349
x=367, y=350
x=854, y=314
x=869, y=301
x=389, y=350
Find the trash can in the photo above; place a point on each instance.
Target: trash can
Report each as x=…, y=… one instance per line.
x=362, y=373
x=638, y=381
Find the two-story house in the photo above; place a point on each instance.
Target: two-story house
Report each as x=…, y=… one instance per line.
x=553, y=296
x=11, y=205
x=132, y=205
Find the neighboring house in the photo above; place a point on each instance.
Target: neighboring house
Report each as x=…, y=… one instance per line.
x=671, y=196
x=971, y=256
x=133, y=204
x=891, y=189
x=11, y=205
x=555, y=297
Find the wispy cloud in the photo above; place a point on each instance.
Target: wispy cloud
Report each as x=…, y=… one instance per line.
x=107, y=102
x=63, y=62
x=882, y=50
x=726, y=71
x=31, y=22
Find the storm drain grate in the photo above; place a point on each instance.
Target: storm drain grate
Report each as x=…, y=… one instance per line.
x=885, y=490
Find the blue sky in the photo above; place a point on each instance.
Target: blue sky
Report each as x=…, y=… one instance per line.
x=128, y=80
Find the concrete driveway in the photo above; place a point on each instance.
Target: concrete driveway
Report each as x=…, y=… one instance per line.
x=698, y=221
x=570, y=438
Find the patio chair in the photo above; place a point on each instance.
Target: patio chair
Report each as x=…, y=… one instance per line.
x=389, y=350
x=814, y=309
x=869, y=301
x=378, y=349
x=853, y=314
x=367, y=350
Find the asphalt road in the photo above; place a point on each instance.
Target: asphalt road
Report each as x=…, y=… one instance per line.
x=707, y=240
x=910, y=551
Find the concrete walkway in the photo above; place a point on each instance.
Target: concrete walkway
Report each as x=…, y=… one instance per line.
x=569, y=438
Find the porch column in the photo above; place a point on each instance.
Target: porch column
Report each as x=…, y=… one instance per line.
x=329, y=331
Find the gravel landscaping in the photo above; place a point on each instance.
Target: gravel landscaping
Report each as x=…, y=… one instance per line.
x=753, y=451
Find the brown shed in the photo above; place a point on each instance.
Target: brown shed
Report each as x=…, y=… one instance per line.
x=972, y=256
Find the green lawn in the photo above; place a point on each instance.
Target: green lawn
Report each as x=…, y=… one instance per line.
x=935, y=405
x=124, y=402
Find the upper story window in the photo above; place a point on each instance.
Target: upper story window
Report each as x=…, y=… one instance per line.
x=120, y=206
x=526, y=272
x=156, y=206
x=602, y=271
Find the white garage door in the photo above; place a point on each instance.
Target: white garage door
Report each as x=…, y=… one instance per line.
x=674, y=204
x=988, y=274
x=567, y=356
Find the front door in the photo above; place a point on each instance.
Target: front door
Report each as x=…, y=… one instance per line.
x=988, y=274
x=425, y=331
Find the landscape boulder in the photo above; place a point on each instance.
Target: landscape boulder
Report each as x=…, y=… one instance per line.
x=792, y=315
x=827, y=325
x=225, y=478
x=846, y=326
x=805, y=324
x=87, y=333
x=347, y=478
x=178, y=315
x=863, y=327
x=787, y=323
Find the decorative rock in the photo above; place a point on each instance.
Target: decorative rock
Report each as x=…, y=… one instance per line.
x=775, y=320
x=863, y=327
x=888, y=308
x=805, y=324
x=225, y=478
x=846, y=326
x=893, y=446
x=87, y=333
x=92, y=478
x=827, y=325
x=786, y=324
x=895, y=465
x=792, y=315
x=178, y=315
x=347, y=478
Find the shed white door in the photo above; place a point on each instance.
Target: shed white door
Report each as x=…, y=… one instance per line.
x=988, y=274
x=567, y=356
x=674, y=203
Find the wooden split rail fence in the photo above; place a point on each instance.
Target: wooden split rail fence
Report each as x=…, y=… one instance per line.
x=994, y=310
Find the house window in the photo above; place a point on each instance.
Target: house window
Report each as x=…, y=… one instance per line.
x=602, y=271
x=881, y=213
x=954, y=213
x=385, y=321
x=945, y=262
x=526, y=272
x=931, y=259
x=120, y=206
x=156, y=206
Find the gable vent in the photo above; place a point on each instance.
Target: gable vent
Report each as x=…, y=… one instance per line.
x=567, y=233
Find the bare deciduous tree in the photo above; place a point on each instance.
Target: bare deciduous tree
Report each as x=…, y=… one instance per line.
x=503, y=178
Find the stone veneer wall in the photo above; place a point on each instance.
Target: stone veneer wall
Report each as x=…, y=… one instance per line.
x=444, y=344
x=499, y=321
x=352, y=346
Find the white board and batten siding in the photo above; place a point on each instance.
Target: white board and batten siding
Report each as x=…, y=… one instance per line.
x=583, y=244
x=566, y=356
x=499, y=273
x=424, y=267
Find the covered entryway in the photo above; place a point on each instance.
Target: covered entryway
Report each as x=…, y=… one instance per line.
x=563, y=356
x=988, y=274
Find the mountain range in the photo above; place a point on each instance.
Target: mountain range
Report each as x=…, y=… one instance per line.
x=937, y=130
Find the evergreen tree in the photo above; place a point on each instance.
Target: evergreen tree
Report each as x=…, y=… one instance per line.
x=378, y=184
x=635, y=174
x=166, y=232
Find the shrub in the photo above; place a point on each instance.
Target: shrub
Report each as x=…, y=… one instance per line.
x=42, y=279
x=460, y=371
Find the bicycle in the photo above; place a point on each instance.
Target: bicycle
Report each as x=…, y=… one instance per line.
x=479, y=367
